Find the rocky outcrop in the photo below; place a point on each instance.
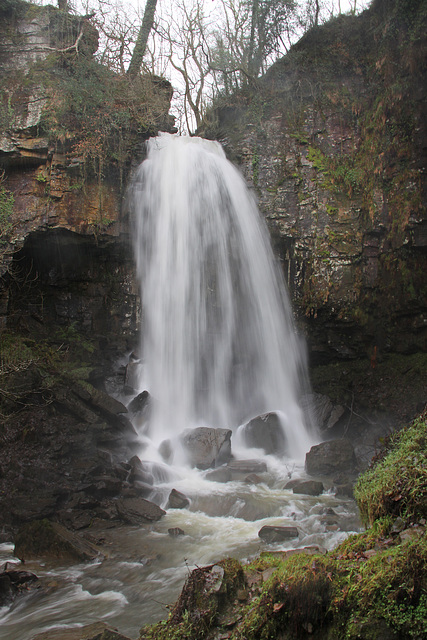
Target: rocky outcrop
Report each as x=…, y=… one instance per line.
x=63, y=168
x=42, y=538
x=333, y=143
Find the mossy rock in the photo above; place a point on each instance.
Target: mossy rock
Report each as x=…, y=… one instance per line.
x=396, y=484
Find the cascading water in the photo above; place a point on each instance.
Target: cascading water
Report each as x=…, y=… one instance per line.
x=219, y=345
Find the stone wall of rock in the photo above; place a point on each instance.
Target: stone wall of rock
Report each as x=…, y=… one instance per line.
x=66, y=254
x=332, y=140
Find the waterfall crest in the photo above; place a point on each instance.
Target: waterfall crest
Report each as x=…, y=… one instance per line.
x=219, y=345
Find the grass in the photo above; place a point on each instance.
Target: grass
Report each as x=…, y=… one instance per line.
x=397, y=484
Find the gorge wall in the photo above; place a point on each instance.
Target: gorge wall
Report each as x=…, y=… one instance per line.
x=70, y=131
x=333, y=139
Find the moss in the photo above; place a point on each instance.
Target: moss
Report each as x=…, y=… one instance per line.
x=397, y=484
x=7, y=202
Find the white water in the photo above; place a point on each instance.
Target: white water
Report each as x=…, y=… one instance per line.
x=219, y=346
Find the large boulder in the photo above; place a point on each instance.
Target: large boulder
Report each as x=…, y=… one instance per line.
x=265, y=432
x=272, y=534
x=206, y=447
x=52, y=540
x=309, y=488
x=177, y=500
x=329, y=458
x=138, y=510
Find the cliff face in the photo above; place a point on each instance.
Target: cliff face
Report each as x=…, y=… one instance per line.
x=69, y=131
x=333, y=141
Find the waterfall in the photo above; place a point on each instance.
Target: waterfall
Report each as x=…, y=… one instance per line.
x=219, y=346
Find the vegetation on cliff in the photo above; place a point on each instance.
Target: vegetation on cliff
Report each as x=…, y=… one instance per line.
x=332, y=139
x=372, y=586
x=89, y=112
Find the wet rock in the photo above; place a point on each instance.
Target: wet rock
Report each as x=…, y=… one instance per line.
x=398, y=525
x=409, y=535
x=52, y=540
x=177, y=500
x=166, y=450
x=253, y=478
x=292, y=483
x=105, y=486
x=174, y=532
x=139, y=472
x=142, y=489
x=29, y=505
x=238, y=467
x=7, y=591
x=272, y=534
x=76, y=519
x=206, y=447
x=140, y=403
x=309, y=488
x=219, y=475
x=100, y=400
x=132, y=373
x=265, y=432
x=310, y=551
x=330, y=457
x=138, y=510
x=214, y=580
x=343, y=489
x=325, y=413
x=13, y=582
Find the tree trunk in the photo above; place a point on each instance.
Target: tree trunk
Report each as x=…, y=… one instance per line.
x=142, y=39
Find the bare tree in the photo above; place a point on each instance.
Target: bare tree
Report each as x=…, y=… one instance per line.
x=142, y=39
x=185, y=33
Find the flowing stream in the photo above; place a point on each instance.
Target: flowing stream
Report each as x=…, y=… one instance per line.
x=219, y=348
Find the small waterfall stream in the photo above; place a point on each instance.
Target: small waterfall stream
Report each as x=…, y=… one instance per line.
x=219, y=348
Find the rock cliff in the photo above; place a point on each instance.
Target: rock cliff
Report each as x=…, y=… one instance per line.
x=333, y=140
x=69, y=132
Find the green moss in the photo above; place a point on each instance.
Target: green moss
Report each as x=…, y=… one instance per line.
x=7, y=202
x=15, y=353
x=397, y=484
x=390, y=585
